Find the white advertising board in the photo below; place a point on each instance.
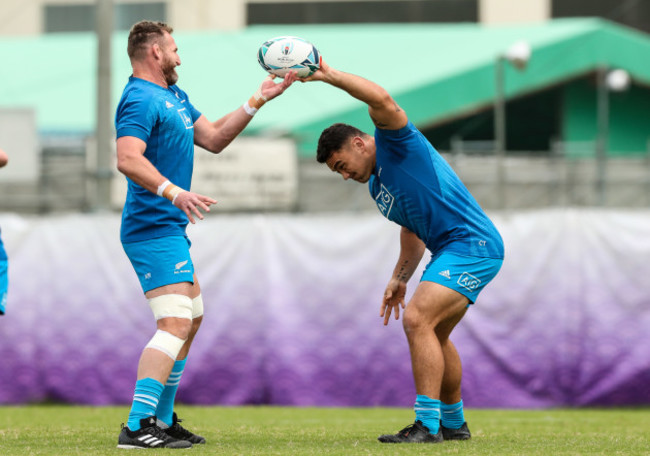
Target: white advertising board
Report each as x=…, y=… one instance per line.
x=251, y=174
x=19, y=139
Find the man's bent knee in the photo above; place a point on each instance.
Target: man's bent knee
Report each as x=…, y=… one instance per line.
x=166, y=343
x=433, y=305
x=174, y=314
x=413, y=320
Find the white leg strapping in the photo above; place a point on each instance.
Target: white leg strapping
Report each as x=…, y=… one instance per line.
x=167, y=343
x=172, y=305
x=197, y=307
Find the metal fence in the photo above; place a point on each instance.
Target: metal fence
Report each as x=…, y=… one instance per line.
x=518, y=181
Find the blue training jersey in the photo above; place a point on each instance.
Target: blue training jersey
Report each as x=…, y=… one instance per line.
x=415, y=187
x=3, y=254
x=164, y=119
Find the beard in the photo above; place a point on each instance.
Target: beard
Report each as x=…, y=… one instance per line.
x=169, y=72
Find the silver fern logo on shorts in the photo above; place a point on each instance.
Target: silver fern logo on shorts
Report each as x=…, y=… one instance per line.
x=468, y=281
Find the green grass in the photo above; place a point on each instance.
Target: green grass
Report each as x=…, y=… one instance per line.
x=69, y=430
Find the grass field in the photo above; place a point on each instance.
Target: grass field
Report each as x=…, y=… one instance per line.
x=70, y=430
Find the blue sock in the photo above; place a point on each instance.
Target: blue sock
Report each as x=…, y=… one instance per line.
x=452, y=415
x=427, y=410
x=165, y=408
x=145, y=400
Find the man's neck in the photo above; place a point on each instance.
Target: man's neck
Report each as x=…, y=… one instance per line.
x=149, y=74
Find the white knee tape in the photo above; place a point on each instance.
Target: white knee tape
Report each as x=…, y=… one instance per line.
x=197, y=307
x=171, y=305
x=167, y=343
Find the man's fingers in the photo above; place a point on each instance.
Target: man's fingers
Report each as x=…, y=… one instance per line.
x=193, y=205
x=387, y=316
x=204, y=206
x=197, y=212
x=189, y=216
x=207, y=200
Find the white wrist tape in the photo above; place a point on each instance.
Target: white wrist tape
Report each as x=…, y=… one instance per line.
x=171, y=305
x=171, y=191
x=167, y=343
x=250, y=111
x=197, y=307
x=257, y=95
x=162, y=187
x=175, y=194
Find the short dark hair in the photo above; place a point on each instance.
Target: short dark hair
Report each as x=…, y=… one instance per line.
x=142, y=34
x=333, y=138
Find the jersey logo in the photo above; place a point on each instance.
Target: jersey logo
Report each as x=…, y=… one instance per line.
x=446, y=274
x=168, y=104
x=468, y=281
x=384, y=201
x=185, y=117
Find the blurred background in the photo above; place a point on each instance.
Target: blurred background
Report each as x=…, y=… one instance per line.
x=541, y=106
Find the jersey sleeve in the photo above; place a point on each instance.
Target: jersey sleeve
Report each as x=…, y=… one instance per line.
x=195, y=113
x=135, y=117
x=398, y=141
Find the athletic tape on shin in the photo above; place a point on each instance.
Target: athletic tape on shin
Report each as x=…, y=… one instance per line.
x=171, y=305
x=197, y=307
x=167, y=343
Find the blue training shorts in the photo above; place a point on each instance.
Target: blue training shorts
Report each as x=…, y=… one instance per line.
x=161, y=261
x=464, y=274
x=4, y=284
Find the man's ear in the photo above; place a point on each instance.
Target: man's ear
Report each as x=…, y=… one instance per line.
x=358, y=143
x=157, y=52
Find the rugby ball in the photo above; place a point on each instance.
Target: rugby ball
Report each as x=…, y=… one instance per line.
x=282, y=54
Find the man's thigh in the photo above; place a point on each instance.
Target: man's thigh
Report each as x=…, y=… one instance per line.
x=182, y=288
x=449, y=284
x=433, y=304
x=162, y=262
x=464, y=274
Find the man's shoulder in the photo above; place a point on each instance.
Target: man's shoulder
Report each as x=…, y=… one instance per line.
x=142, y=97
x=401, y=134
x=400, y=142
x=136, y=89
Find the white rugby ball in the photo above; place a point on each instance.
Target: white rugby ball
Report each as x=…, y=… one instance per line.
x=282, y=54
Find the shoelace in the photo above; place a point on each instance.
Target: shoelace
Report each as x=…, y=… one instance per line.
x=181, y=430
x=407, y=430
x=157, y=432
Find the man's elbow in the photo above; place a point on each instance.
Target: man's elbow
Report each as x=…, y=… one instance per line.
x=215, y=145
x=124, y=164
x=214, y=148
